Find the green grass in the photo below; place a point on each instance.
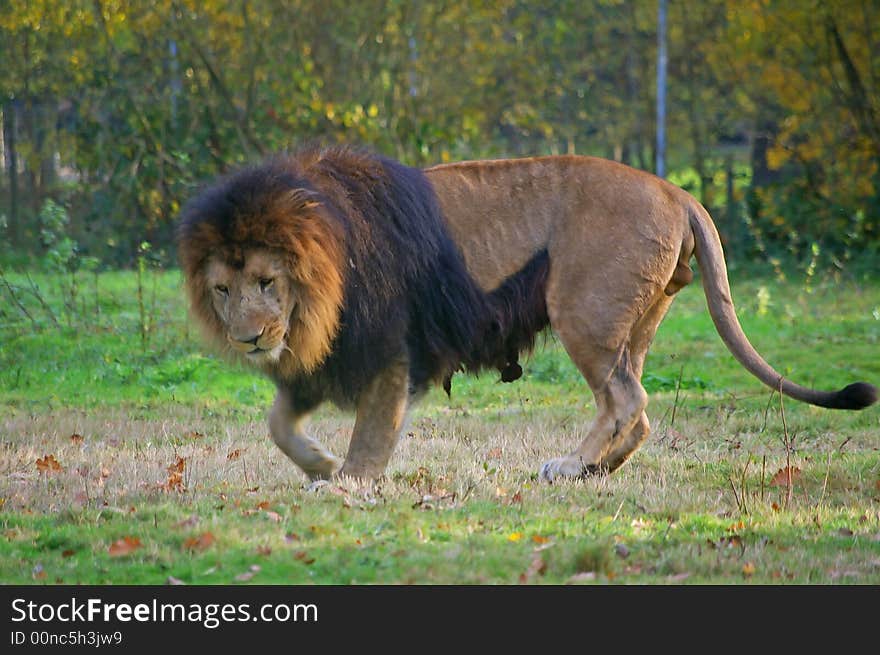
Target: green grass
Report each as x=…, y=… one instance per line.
x=461, y=502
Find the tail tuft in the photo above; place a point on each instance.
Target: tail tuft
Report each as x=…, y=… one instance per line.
x=857, y=395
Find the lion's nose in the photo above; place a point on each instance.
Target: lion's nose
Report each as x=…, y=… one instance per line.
x=251, y=340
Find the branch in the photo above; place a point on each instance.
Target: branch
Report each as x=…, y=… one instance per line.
x=859, y=102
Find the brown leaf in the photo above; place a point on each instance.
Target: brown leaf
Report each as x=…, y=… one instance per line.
x=538, y=539
x=179, y=466
x=748, y=569
x=263, y=505
x=76, y=438
x=175, y=476
x=303, y=557
x=233, y=455
x=516, y=498
x=265, y=551
x=124, y=546
x=775, y=507
x=68, y=553
x=48, y=464
x=200, y=543
x=174, y=483
x=780, y=478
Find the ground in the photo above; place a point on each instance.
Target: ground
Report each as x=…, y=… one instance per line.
x=132, y=455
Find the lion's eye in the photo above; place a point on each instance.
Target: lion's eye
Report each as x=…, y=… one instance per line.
x=265, y=283
x=222, y=289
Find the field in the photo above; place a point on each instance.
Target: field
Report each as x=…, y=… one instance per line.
x=131, y=455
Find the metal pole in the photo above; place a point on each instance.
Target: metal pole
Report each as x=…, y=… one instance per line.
x=661, y=88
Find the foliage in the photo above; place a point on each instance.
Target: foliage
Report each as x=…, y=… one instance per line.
x=118, y=109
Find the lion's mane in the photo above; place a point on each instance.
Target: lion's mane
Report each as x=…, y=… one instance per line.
x=376, y=270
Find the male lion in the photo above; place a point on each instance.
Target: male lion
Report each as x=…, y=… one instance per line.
x=341, y=276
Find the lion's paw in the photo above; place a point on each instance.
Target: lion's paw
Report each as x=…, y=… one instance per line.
x=571, y=466
x=324, y=469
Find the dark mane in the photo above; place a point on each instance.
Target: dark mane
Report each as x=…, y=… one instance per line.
x=377, y=227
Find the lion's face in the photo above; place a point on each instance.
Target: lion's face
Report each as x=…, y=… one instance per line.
x=254, y=302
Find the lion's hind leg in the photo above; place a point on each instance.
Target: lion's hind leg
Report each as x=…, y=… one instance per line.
x=620, y=401
x=286, y=425
x=640, y=340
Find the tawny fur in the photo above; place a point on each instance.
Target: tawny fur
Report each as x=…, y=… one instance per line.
x=597, y=248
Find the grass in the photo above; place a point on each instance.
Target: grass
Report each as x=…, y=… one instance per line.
x=699, y=503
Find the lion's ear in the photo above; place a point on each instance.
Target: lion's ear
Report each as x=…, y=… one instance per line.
x=300, y=199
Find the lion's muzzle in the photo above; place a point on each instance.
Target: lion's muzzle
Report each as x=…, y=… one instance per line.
x=268, y=341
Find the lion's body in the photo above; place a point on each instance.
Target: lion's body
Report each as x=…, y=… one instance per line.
x=404, y=291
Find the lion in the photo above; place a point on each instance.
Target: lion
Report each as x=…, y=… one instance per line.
x=348, y=277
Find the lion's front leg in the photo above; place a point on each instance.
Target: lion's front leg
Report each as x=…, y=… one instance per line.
x=381, y=410
x=286, y=426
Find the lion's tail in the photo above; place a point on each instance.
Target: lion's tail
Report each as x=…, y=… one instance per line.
x=710, y=258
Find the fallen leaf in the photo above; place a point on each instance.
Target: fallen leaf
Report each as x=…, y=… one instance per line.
x=76, y=438
x=48, y=464
x=200, y=543
x=124, y=546
x=780, y=478
x=303, y=557
x=174, y=581
x=265, y=551
x=516, y=498
x=263, y=505
x=775, y=507
x=68, y=553
x=233, y=455
x=514, y=536
x=748, y=569
x=538, y=539
x=175, y=476
x=274, y=516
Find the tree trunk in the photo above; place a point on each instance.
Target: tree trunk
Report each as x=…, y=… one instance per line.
x=11, y=163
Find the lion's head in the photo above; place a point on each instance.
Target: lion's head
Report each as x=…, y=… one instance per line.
x=261, y=259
